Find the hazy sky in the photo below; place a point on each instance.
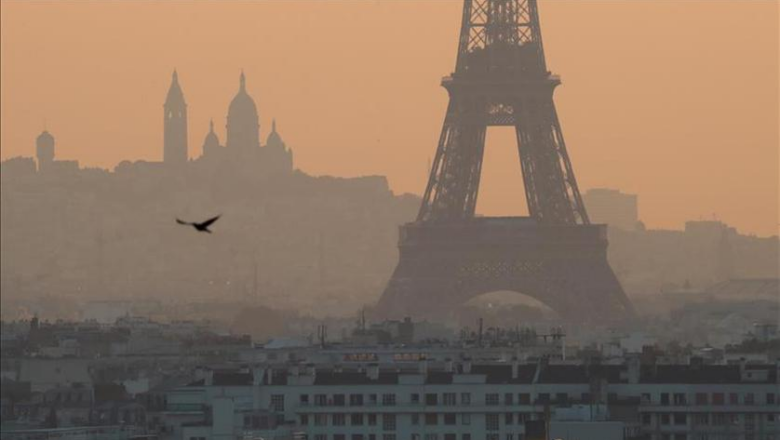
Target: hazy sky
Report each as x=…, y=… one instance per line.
x=674, y=100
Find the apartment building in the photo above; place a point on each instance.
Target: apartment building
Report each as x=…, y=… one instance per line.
x=467, y=400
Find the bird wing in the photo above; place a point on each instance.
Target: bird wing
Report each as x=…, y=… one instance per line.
x=208, y=222
x=182, y=222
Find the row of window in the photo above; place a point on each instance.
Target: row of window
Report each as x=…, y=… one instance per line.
x=492, y=421
x=712, y=399
x=494, y=399
x=430, y=399
x=388, y=420
x=716, y=419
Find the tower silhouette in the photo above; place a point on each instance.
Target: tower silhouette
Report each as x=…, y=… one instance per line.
x=175, y=125
x=448, y=256
x=44, y=150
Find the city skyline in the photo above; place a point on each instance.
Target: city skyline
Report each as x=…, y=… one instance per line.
x=389, y=125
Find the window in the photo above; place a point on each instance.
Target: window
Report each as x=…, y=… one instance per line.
x=320, y=420
x=733, y=399
x=680, y=419
x=339, y=437
x=372, y=420
x=491, y=399
x=431, y=436
x=304, y=419
x=431, y=399
x=415, y=398
x=465, y=437
x=415, y=419
x=509, y=419
x=388, y=436
x=303, y=399
x=356, y=419
x=491, y=422
x=339, y=419
x=388, y=422
x=510, y=437
x=465, y=419
x=681, y=437
x=647, y=419
x=388, y=399
x=450, y=419
x=508, y=399
x=449, y=399
x=718, y=399
x=770, y=398
x=372, y=399
x=665, y=419
x=465, y=398
x=719, y=419
x=431, y=419
x=561, y=398
x=320, y=437
x=357, y=436
x=320, y=399
x=543, y=397
x=524, y=399
x=450, y=437
x=750, y=399
x=664, y=399
x=679, y=399
x=355, y=400
x=701, y=419
x=277, y=402
x=338, y=400
x=701, y=398
x=585, y=398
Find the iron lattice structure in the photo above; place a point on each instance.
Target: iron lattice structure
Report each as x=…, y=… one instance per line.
x=501, y=79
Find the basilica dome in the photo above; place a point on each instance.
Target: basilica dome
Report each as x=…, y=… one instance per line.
x=243, y=128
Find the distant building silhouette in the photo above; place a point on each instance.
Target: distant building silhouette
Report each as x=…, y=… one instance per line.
x=211, y=142
x=612, y=207
x=175, y=136
x=44, y=150
x=243, y=128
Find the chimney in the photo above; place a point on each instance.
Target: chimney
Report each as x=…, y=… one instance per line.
x=422, y=366
x=448, y=365
x=634, y=370
x=373, y=371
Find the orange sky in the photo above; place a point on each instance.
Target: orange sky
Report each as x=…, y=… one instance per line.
x=674, y=100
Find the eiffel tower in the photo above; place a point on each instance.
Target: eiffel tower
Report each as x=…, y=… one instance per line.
x=448, y=255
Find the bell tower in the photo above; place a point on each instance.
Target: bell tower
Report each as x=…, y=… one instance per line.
x=175, y=114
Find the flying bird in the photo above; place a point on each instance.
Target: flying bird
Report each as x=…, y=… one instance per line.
x=202, y=226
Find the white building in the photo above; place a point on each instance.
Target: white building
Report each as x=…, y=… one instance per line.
x=484, y=401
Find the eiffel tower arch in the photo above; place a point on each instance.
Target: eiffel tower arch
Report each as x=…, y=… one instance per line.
x=448, y=255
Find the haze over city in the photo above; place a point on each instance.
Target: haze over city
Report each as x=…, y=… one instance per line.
x=385, y=220
x=675, y=101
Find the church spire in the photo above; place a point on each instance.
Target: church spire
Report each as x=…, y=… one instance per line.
x=175, y=124
x=273, y=125
x=242, y=86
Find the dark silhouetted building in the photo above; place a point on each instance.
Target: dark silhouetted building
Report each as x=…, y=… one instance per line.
x=175, y=141
x=612, y=207
x=44, y=150
x=243, y=128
